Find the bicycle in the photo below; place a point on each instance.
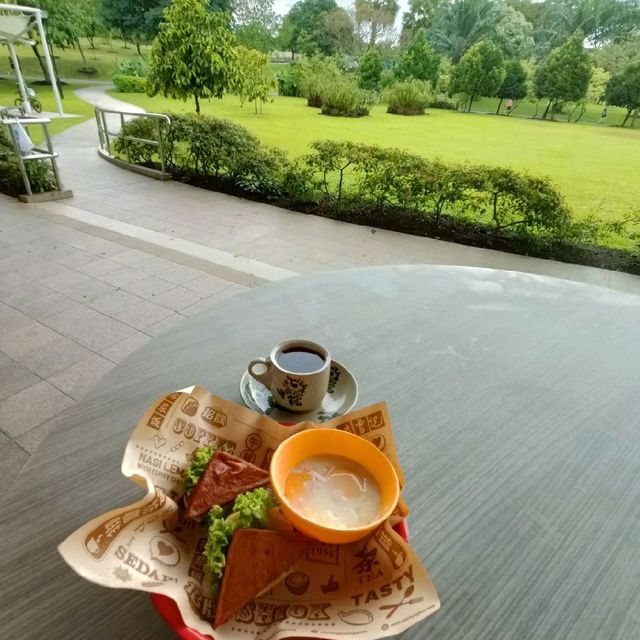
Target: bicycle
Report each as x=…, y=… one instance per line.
x=33, y=101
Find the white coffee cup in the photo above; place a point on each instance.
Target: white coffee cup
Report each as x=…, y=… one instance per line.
x=296, y=372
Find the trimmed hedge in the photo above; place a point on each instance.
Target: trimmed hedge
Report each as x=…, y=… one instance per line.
x=408, y=98
x=494, y=207
x=129, y=84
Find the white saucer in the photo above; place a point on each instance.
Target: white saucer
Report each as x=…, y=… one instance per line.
x=339, y=399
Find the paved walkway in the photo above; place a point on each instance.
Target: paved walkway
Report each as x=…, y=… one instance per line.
x=85, y=281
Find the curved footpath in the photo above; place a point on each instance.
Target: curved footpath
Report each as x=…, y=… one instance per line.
x=86, y=281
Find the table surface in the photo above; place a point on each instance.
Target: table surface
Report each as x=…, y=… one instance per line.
x=514, y=400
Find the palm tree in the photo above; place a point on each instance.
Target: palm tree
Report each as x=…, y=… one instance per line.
x=375, y=15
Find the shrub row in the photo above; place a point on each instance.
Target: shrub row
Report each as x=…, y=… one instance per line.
x=390, y=188
x=39, y=172
x=129, y=84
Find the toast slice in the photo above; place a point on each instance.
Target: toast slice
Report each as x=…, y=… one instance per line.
x=256, y=561
x=223, y=479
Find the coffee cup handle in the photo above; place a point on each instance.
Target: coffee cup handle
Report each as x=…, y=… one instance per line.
x=264, y=376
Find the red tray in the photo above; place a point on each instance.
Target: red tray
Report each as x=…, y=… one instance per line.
x=168, y=609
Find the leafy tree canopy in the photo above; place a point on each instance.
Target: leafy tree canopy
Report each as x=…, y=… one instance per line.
x=623, y=90
x=136, y=21
x=512, y=32
x=299, y=25
x=480, y=72
x=193, y=54
x=419, y=61
x=370, y=70
x=565, y=73
x=375, y=18
x=514, y=85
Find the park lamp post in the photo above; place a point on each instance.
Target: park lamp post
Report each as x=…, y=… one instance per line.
x=15, y=23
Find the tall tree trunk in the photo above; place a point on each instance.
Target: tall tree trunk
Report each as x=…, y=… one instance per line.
x=626, y=117
x=471, y=99
x=84, y=60
x=635, y=115
x=55, y=71
x=43, y=67
x=138, y=48
x=499, y=105
x=197, y=103
x=374, y=34
x=544, y=115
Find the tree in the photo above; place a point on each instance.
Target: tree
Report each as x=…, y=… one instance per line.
x=136, y=21
x=514, y=85
x=459, y=24
x=623, y=90
x=512, y=32
x=370, y=70
x=617, y=56
x=253, y=81
x=193, y=54
x=564, y=75
x=374, y=16
x=480, y=72
x=419, y=61
x=335, y=33
x=299, y=25
x=255, y=24
x=419, y=16
x=597, y=85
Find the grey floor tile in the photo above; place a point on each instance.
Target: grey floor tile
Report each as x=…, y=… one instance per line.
x=141, y=315
x=17, y=296
x=164, y=325
x=12, y=459
x=88, y=290
x=53, y=357
x=44, y=269
x=64, y=280
x=177, y=273
x=149, y=287
x=114, y=301
x=98, y=267
x=75, y=258
x=120, y=350
x=30, y=407
x=46, y=305
x=206, y=284
x=178, y=298
x=32, y=336
x=32, y=438
x=122, y=277
x=11, y=279
x=80, y=377
x=89, y=327
x=14, y=377
x=10, y=319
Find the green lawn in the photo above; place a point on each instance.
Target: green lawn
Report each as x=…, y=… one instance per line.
x=104, y=58
x=595, y=167
x=71, y=104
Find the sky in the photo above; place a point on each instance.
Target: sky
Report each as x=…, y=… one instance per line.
x=283, y=6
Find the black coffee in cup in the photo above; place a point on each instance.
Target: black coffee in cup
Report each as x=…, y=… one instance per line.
x=300, y=360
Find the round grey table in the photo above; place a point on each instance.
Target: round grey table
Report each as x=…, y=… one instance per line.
x=515, y=403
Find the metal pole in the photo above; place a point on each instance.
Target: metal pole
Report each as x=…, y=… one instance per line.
x=160, y=147
x=105, y=126
x=23, y=89
x=54, y=164
x=23, y=171
x=124, y=137
x=47, y=56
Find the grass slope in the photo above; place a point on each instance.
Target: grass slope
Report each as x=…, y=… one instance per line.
x=595, y=167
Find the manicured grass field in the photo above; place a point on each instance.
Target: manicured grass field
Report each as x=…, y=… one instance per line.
x=595, y=167
x=71, y=104
x=104, y=58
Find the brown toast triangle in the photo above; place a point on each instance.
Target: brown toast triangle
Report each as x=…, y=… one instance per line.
x=225, y=477
x=256, y=561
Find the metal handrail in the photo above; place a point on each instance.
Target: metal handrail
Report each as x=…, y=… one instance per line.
x=105, y=134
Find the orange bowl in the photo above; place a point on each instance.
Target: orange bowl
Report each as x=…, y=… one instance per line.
x=318, y=442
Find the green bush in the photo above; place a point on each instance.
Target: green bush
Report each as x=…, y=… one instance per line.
x=343, y=97
x=39, y=172
x=129, y=84
x=290, y=80
x=382, y=179
x=317, y=74
x=139, y=152
x=443, y=103
x=134, y=66
x=408, y=98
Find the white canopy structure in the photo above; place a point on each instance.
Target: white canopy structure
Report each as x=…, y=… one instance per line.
x=15, y=23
